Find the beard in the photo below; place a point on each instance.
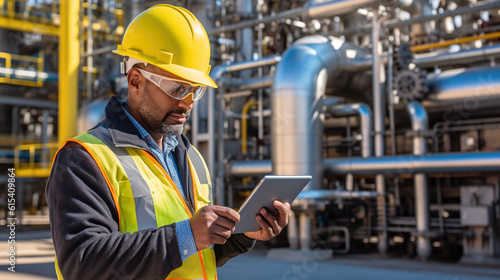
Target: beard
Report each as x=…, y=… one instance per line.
x=160, y=126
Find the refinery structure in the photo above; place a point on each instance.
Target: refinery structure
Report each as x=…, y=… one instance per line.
x=392, y=106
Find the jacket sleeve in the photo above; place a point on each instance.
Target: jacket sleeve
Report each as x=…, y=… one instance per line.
x=235, y=245
x=85, y=230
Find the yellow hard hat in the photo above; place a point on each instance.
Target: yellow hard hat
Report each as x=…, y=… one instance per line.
x=172, y=39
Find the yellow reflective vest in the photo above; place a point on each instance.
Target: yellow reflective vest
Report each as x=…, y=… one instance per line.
x=146, y=197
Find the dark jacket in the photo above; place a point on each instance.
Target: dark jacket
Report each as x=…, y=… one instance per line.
x=84, y=221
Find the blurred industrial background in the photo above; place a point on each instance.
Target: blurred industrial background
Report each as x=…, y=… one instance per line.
x=392, y=106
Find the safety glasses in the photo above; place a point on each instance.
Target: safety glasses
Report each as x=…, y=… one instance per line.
x=175, y=88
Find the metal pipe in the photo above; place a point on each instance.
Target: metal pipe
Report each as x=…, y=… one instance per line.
x=45, y=125
x=379, y=107
x=36, y=103
x=246, y=84
x=250, y=168
x=332, y=194
x=297, y=102
x=260, y=92
x=219, y=180
x=253, y=22
x=218, y=71
x=389, y=165
x=458, y=94
x=411, y=164
x=441, y=59
x=305, y=226
x=465, y=56
x=314, y=9
x=397, y=23
x=449, y=13
x=69, y=58
x=319, y=9
x=365, y=114
x=419, y=124
x=390, y=98
x=209, y=136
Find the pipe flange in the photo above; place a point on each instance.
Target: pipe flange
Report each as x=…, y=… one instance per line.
x=411, y=84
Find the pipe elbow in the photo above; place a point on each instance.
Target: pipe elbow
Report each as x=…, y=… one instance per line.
x=418, y=116
x=363, y=110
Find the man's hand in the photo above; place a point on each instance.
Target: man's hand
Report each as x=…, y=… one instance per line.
x=213, y=224
x=271, y=224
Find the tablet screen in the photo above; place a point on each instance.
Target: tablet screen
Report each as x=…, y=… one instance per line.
x=270, y=188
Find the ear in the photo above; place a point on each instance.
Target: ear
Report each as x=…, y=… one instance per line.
x=134, y=81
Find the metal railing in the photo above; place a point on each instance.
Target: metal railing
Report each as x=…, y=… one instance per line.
x=22, y=69
x=34, y=160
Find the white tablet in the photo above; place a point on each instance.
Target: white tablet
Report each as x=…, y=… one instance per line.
x=270, y=188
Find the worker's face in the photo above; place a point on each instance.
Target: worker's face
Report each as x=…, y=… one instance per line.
x=160, y=113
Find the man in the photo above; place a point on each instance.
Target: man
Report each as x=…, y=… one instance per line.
x=131, y=198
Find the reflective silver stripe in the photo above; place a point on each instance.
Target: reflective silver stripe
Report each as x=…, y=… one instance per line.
x=200, y=169
x=144, y=206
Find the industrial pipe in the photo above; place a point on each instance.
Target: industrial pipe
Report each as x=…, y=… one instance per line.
x=209, y=137
x=448, y=13
x=419, y=125
x=311, y=10
x=379, y=107
x=389, y=165
x=297, y=104
x=246, y=84
x=332, y=194
x=365, y=114
x=465, y=56
x=250, y=168
x=442, y=59
x=411, y=164
x=244, y=121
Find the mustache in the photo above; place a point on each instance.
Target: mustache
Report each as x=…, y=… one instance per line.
x=186, y=113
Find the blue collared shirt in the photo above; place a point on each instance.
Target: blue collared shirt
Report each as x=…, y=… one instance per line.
x=185, y=238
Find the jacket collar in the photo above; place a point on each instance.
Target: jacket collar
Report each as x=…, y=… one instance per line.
x=124, y=133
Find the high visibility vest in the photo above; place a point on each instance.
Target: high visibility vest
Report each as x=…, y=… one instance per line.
x=146, y=197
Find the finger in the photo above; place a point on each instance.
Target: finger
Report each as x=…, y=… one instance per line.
x=217, y=239
x=226, y=212
x=225, y=223
x=221, y=231
x=271, y=220
x=283, y=209
x=266, y=227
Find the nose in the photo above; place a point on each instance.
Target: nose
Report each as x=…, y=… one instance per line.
x=186, y=103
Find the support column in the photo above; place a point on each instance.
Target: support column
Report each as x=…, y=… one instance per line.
x=69, y=59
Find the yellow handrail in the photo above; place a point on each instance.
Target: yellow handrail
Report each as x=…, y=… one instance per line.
x=244, y=118
x=8, y=63
x=39, y=61
x=36, y=166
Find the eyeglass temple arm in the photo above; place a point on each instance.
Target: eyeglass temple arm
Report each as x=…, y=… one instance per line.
x=126, y=65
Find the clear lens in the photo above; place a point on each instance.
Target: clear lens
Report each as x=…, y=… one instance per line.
x=174, y=88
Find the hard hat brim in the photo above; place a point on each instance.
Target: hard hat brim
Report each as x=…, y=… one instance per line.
x=190, y=75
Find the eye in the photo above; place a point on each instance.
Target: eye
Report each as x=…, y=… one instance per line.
x=176, y=90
